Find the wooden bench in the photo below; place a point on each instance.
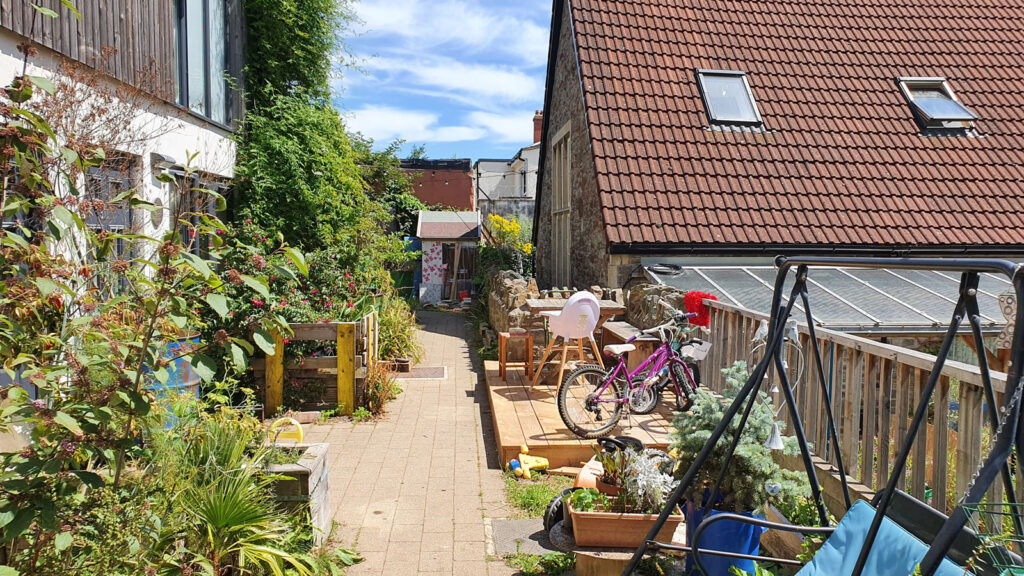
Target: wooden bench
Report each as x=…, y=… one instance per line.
x=619, y=332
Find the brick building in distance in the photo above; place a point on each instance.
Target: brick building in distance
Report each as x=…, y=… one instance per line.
x=442, y=183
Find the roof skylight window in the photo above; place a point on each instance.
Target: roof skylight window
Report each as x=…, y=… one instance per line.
x=934, y=104
x=727, y=97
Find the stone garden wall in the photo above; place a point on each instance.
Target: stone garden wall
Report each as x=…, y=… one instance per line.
x=642, y=304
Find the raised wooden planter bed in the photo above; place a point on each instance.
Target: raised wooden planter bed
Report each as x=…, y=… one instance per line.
x=779, y=543
x=614, y=530
x=304, y=488
x=343, y=374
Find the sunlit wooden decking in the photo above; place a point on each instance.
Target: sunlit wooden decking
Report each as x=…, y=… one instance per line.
x=529, y=416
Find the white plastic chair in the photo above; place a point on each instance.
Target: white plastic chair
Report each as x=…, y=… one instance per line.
x=575, y=321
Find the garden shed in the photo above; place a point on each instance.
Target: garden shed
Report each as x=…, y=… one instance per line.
x=449, y=243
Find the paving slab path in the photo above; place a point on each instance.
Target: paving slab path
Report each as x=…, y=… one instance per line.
x=413, y=492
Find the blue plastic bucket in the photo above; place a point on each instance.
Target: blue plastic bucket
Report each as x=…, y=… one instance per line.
x=724, y=536
x=182, y=380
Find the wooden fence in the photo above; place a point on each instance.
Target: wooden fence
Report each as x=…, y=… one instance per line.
x=875, y=389
x=357, y=348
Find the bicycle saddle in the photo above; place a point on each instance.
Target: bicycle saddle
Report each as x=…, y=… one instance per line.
x=619, y=349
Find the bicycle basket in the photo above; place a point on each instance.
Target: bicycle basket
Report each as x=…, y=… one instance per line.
x=696, y=350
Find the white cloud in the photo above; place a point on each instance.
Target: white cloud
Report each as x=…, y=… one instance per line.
x=385, y=123
x=475, y=81
x=448, y=71
x=511, y=29
x=512, y=127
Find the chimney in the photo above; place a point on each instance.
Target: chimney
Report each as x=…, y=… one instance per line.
x=538, y=125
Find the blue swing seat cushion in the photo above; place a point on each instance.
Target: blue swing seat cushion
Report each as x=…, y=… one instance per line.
x=895, y=551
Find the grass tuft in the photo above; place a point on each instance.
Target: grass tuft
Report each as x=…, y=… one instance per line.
x=531, y=497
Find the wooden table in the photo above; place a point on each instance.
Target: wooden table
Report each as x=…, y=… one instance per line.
x=608, y=309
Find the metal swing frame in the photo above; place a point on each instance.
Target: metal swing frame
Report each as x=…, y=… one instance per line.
x=1009, y=432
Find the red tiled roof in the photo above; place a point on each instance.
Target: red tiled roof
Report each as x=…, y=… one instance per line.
x=840, y=159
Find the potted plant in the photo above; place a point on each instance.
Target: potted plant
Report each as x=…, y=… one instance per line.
x=751, y=482
x=402, y=365
x=604, y=471
x=623, y=521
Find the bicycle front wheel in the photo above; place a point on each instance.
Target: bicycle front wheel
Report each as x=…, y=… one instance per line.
x=589, y=402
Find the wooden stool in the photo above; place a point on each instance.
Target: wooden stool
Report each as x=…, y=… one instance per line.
x=526, y=362
x=570, y=346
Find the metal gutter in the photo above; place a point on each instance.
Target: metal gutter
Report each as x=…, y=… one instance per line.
x=774, y=250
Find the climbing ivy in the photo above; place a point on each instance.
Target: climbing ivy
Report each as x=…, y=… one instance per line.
x=292, y=46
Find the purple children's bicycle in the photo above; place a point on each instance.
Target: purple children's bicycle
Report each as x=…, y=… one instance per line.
x=591, y=399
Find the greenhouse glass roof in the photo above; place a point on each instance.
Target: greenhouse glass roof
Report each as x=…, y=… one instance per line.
x=854, y=300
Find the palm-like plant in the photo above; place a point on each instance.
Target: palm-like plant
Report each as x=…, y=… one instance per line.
x=229, y=524
x=231, y=527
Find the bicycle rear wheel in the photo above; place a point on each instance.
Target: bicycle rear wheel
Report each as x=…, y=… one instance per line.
x=588, y=407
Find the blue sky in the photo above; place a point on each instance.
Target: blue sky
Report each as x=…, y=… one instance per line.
x=462, y=77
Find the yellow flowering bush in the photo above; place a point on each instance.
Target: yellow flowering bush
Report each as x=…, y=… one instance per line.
x=507, y=233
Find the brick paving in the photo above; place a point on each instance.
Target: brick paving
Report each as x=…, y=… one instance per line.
x=413, y=491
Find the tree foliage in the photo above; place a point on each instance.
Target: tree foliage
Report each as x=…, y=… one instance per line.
x=292, y=46
x=753, y=478
x=296, y=173
x=388, y=184
x=89, y=317
x=303, y=178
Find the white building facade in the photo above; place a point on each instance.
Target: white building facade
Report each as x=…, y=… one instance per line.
x=508, y=187
x=166, y=75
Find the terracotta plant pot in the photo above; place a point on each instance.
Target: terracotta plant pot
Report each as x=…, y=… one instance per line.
x=609, y=489
x=614, y=530
x=402, y=365
x=590, y=477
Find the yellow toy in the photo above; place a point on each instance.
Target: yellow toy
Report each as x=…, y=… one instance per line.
x=528, y=463
x=295, y=433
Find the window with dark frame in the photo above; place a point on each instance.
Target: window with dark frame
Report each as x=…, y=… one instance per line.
x=201, y=43
x=561, y=206
x=727, y=97
x=189, y=202
x=934, y=105
x=102, y=185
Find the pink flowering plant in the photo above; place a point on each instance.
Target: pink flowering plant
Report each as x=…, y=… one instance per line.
x=91, y=319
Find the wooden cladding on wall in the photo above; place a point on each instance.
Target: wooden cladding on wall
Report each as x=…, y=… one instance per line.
x=130, y=40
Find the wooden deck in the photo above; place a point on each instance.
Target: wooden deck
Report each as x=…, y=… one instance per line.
x=525, y=416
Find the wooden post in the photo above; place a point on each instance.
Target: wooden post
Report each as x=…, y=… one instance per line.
x=274, y=378
x=346, y=367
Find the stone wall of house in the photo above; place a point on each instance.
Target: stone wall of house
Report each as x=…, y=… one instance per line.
x=621, y=267
x=589, y=250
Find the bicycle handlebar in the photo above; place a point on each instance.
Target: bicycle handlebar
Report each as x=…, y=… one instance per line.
x=676, y=313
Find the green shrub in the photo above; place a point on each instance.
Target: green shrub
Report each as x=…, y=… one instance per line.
x=397, y=329
x=753, y=478
x=381, y=388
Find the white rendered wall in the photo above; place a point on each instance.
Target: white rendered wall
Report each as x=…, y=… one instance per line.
x=509, y=189
x=177, y=134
